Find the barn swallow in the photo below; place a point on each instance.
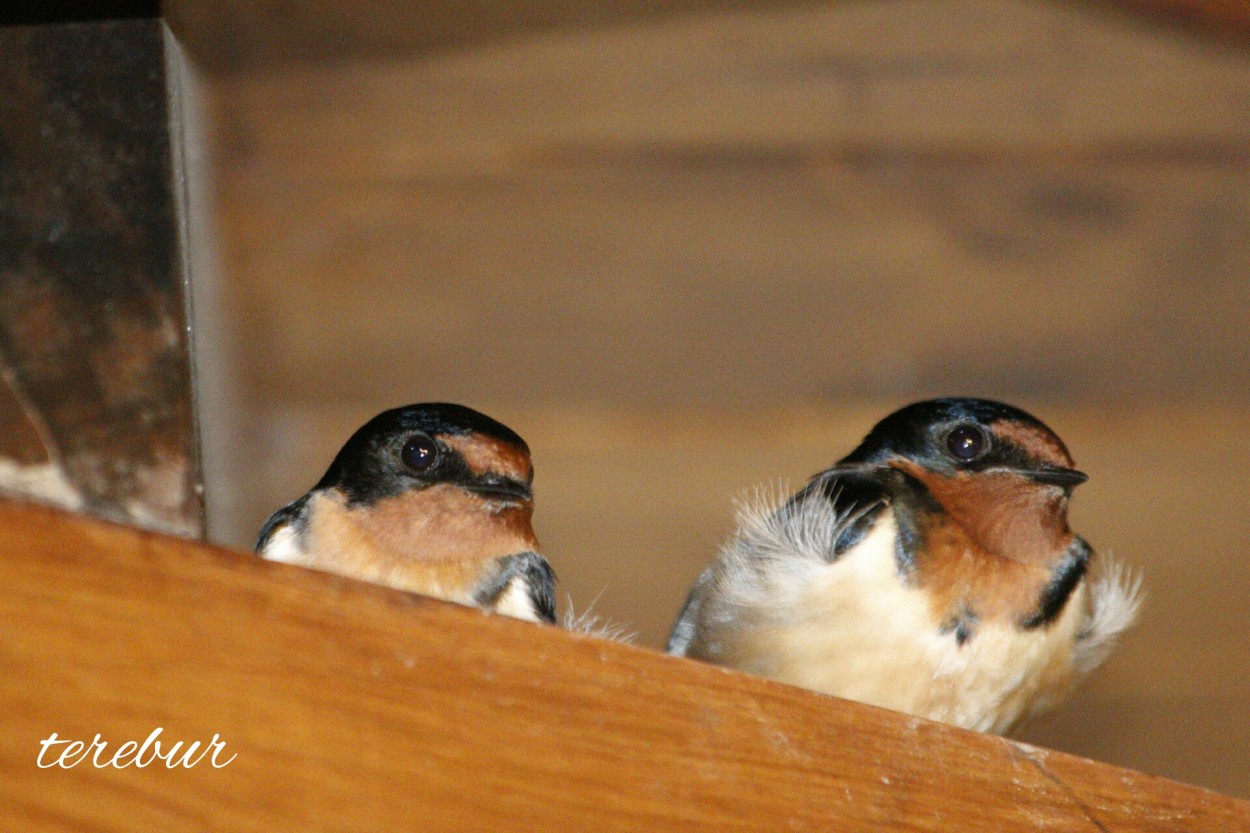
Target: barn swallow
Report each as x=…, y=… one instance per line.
x=930, y=571
x=435, y=499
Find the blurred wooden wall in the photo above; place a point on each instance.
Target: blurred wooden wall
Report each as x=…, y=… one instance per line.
x=687, y=248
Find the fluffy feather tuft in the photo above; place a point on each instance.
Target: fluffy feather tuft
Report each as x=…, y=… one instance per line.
x=778, y=544
x=591, y=624
x=1116, y=598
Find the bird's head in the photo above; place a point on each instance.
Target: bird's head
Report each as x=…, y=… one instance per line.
x=996, y=471
x=436, y=482
x=417, y=447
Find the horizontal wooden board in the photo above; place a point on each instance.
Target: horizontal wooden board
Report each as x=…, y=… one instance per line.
x=745, y=206
x=967, y=78
x=250, y=36
x=348, y=706
x=1227, y=18
x=748, y=285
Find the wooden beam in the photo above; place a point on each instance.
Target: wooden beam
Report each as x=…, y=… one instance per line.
x=1227, y=19
x=96, y=404
x=345, y=706
x=233, y=37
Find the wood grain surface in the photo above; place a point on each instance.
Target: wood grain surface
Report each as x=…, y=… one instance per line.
x=736, y=210
x=352, y=707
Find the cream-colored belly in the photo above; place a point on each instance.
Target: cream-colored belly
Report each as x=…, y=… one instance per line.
x=854, y=630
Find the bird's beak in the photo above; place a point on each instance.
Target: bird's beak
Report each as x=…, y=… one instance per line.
x=1056, y=476
x=495, y=487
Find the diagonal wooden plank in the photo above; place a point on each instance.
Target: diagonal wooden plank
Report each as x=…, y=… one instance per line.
x=349, y=706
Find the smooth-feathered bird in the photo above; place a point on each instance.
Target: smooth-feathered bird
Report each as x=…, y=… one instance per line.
x=433, y=498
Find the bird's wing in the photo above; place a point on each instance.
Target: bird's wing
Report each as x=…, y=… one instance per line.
x=684, y=628
x=526, y=575
x=290, y=516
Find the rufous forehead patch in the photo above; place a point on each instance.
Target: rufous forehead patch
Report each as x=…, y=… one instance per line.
x=1038, y=443
x=488, y=454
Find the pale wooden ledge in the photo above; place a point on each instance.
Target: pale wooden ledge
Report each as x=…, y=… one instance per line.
x=352, y=707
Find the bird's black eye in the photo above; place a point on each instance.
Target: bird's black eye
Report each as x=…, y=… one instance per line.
x=419, y=453
x=966, y=442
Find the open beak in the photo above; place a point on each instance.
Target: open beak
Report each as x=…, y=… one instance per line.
x=1056, y=476
x=494, y=487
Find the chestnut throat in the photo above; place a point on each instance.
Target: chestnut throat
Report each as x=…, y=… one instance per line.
x=986, y=547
